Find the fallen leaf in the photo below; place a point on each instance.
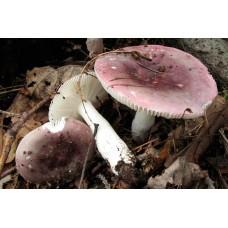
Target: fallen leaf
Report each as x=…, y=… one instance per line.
x=41, y=81
x=181, y=174
x=44, y=81
x=36, y=120
x=165, y=150
x=216, y=118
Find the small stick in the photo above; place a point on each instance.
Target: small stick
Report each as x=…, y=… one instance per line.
x=9, y=113
x=148, y=68
x=145, y=144
x=222, y=179
x=87, y=156
x=104, y=181
x=225, y=140
x=11, y=87
x=5, y=180
x=7, y=172
x=221, y=131
x=9, y=91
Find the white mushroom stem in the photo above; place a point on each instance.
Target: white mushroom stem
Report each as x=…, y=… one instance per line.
x=141, y=125
x=109, y=144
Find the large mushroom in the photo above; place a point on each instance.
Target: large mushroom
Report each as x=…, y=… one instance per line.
x=78, y=98
x=156, y=80
x=54, y=153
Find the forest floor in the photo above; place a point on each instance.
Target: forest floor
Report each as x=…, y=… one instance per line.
x=177, y=153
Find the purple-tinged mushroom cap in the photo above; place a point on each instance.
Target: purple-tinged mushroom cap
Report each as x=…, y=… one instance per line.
x=157, y=80
x=172, y=82
x=54, y=154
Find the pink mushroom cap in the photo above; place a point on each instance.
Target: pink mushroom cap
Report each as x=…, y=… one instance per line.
x=44, y=156
x=164, y=81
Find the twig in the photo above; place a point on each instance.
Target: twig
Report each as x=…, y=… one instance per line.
x=225, y=140
x=222, y=179
x=104, y=181
x=7, y=172
x=196, y=128
x=1, y=126
x=9, y=91
x=209, y=182
x=148, y=68
x=145, y=144
x=11, y=133
x=87, y=156
x=9, y=113
x=5, y=180
x=11, y=87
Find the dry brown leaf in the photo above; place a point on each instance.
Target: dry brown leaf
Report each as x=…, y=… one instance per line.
x=36, y=120
x=41, y=81
x=24, y=101
x=201, y=131
x=165, y=151
x=44, y=81
x=67, y=72
x=177, y=133
x=20, y=104
x=181, y=174
x=184, y=172
x=12, y=132
x=216, y=117
x=149, y=159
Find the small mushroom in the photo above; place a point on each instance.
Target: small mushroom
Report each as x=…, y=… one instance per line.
x=156, y=80
x=79, y=102
x=54, y=153
x=95, y=46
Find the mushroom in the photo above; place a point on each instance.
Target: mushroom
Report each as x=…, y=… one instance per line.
x=156, y=80
x=77, y=101
x=95, y=46
x=54, y=153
